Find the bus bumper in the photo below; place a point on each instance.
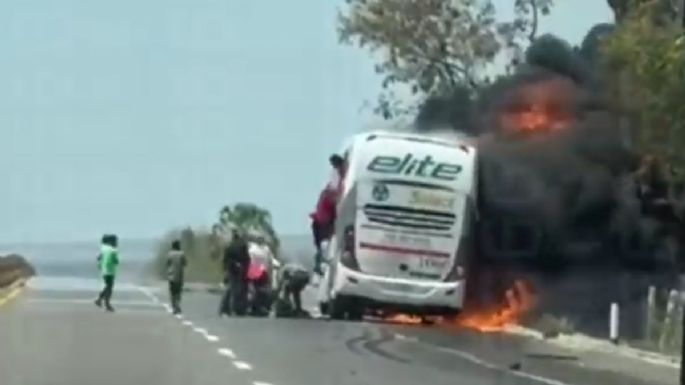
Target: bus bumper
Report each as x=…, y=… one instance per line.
x=399, y=295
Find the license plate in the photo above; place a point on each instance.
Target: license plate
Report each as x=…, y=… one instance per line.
x=432, y=263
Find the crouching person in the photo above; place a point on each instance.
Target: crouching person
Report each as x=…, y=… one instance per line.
x=293, y=280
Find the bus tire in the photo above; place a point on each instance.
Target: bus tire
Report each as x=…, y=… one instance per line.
x=338, y=308
x=324, y=308
x=355, y=312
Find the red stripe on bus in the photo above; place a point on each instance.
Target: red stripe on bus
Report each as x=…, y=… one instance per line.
x=402, y=250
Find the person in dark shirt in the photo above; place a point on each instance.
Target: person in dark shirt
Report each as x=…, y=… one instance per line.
x=236, y=261
x=294, y=278
x=176, y=263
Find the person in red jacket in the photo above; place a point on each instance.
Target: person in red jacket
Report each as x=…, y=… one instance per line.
x=323, y=218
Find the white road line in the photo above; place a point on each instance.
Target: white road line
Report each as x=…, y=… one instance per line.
x=402, y=337
x=149, y=294
x=200, y=330
x=543, y=380
x=242, y=365
x=260, y=383
x=226, y=352
x=179, y=316
x=187, y=323
x=211, y=338
x=470, y=357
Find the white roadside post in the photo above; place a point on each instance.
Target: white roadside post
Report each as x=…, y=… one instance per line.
x=650, y=323
x=613, y=323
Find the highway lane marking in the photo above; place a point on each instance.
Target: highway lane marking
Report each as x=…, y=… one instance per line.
x=226, y=352
x=242, y=365
x=150, y=295
x=470, y=357
x=260, y=383
x=15, y=292
x=211, y=338
x=402, y=337
x=467, y=356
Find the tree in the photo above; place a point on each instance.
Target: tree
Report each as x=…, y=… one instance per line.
x=647, y=52
x=436, y=46
x=250, y=219
x=623, y=8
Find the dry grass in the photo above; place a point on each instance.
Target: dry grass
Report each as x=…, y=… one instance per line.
x=552, y=326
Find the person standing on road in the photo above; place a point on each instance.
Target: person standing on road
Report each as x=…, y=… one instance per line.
x=176, y=263
x=235, y=263
x=109, y=262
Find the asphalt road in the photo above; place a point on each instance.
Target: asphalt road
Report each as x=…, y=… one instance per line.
x=52, y=334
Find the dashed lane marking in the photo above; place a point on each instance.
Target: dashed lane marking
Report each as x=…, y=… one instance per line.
x=211, y=338
x=226, y=353
x=260, y=383
x=242, y=365
x=150, y=295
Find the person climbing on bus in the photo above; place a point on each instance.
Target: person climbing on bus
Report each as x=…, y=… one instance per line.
x=323, y=218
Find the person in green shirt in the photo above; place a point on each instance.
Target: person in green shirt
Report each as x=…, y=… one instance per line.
x=109, y=262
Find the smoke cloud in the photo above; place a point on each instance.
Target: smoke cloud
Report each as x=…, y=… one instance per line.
x=552, y=151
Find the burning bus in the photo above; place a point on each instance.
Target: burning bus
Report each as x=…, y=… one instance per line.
x=404, y=228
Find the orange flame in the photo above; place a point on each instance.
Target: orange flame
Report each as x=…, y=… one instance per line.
x=536, y=118
x=518, y=301
x=545, y=106
x=404, y=319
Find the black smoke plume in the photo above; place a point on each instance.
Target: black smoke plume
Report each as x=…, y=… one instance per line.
x=570, y=178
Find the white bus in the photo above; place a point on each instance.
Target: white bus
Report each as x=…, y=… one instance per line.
x=404, y=227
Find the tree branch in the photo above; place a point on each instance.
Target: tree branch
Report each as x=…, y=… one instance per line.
x=534, y=26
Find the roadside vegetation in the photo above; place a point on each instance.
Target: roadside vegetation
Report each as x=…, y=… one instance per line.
x=453, y=63
x=14, y=267
x=443, y=59
x=204, y=247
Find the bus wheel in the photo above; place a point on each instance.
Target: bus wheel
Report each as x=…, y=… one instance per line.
x=427, y=321
x=338, y=308
x=355, y=312
x=323, y=308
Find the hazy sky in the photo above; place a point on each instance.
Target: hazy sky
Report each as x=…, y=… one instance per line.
x=135, y=116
